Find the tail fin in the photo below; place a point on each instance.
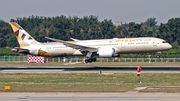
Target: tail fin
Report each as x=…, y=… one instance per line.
x=24, y=39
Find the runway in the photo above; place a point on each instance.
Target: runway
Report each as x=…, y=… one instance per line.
x=86, y=96
x=88, y=69
x=127, y=96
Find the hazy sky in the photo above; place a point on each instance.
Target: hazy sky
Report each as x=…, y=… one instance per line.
x=117, y=10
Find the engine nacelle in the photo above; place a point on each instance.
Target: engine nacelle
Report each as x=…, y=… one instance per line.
x=19, y=50
x=107, y=52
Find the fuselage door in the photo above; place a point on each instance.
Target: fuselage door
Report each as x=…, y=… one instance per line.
x=154, y=43
x=43, y=48
x=122, y=44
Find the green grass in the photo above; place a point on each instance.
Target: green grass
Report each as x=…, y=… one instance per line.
x=94, y=64
x=88, y=82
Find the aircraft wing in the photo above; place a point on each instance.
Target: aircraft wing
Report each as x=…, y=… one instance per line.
x=75, y=46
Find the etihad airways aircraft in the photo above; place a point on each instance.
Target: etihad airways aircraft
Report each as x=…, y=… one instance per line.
x=89, y=48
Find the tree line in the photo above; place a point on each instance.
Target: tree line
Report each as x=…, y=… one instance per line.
x=86, y=28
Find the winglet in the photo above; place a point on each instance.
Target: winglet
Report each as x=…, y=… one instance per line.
x=76, y=40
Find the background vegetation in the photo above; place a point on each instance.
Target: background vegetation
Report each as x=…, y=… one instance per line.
x=89, y=27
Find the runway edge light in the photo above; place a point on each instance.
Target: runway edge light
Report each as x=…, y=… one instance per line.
x=7, y=87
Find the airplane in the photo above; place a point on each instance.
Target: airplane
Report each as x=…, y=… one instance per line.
x=105, y=48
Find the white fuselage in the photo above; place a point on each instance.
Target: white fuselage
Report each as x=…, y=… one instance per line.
x=121, y=46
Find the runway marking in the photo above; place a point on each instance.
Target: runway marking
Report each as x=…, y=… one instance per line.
x=32, y=70
x=140, y=88
x=127, y=96
x=105, y=70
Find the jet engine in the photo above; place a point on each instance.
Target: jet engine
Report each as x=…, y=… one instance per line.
x=107, y=52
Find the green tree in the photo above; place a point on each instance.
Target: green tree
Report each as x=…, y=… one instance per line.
x=150, y=22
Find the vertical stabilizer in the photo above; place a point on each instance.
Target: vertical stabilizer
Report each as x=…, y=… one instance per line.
x=24, y=39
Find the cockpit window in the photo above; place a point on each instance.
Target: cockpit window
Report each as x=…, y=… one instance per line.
x=164, y=42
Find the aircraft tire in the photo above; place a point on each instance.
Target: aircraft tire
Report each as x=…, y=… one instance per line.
x=86, y=61
x=94, y=59
x=90, y=60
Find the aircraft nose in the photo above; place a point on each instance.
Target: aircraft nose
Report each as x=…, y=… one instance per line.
x=170, y=46
x=167, y=46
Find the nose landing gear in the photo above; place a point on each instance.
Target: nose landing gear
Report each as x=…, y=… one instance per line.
x=158, y=54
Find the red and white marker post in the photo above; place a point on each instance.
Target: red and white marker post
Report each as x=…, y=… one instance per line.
x=149, y=58
x=139, y=71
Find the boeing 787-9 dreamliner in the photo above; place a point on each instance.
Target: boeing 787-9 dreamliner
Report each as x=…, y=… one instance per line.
x=89, y=48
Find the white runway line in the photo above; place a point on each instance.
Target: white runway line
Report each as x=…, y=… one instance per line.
x=32, y=70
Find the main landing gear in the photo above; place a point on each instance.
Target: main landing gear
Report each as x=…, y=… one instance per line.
x=90, y=60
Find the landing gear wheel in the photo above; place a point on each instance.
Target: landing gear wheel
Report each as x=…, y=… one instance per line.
x=94, y=59
x=86, y=61
x=90, y=60
x=158, y=56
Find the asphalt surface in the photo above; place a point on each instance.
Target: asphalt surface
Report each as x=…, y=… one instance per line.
x=89, y=69
x=127, y=96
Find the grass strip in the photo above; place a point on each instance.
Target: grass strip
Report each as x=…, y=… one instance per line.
x=89, y=82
